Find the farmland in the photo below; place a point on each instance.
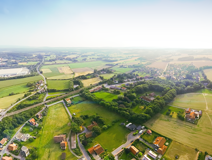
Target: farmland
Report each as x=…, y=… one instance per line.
x=121, y=70
x=12, y=82
x=82, y=71
x=184, y=152
x=58, y=84
x=7, y=101
x=208, y=73
x=159, y=65
x=107, y=76
x=21, y=88
x=53, y=125
x=106, y=96
x=88, y=82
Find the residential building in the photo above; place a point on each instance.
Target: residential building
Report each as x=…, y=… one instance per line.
x=97, y=149
x=208, y=157
x=68, y=100
x=162, y=150
x=159, y=143
x=152, y=154
x=134, y=150
x=146, y=158
x=132, y=127
x=12, y=147
x=3, y=141
x=188, y=110
x=24, y=151
x=152, y=94
x=63, y=144
x=39, y=115
x=7, y=158
x=32, y=121
x=90, y=127
x=149, y=131
x=89, y=134
x=59, y=138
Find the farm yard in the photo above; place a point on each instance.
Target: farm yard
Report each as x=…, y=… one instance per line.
x=208, y=73
x=53, y=125
x=58, y=84
x=106, y=96
x=88, y=82
x=184, y=152
x=159, y=65
x=7, y=101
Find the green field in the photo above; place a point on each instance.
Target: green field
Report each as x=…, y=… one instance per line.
x=121, y=70
x=93, y=65
x=184, y=152
x=106, y=96
x=138, y=109
x=208, y=73
x=29, y=63
x=58, y=84
x=7, y=101
x=53, y=125
x=150, y=138
x=107, y=76
x=54, y=72
x=12, y=82
x=63, y=76
x=21, y=88
x=88, y=82
x=173, y=111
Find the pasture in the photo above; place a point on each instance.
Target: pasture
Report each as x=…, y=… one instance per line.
x=53, y=125
x=184, y=152
x=208, y=73
x=107, y=76
x=7, y=101
x=88, y=82
x=159, y=65
x=12, y=82
x=58, y=84
x=106, y=96
x=21, y=88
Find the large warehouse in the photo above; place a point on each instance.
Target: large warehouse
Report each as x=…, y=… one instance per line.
x=13, y=72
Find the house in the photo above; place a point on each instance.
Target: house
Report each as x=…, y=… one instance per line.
x=63, y=144
x=24, y=151
x=139, y=128
x=159, y=143
x=191, y=116
x=132, y=127
x=90, y=127
x=68, y=100
x=7, y=158
x=147, y=99
x=59, y=138
x=123, y=88
x=149, y=131
x=22, y=137
x=3, y=141
x=162, y=150
x=152, y=94
x=188, y=110
x=32, y=122
x=200, y=113
x=12, y=147
x=152, y=154
x=39, y=115
x=134, y=150
x=89, y=134
x=146, y=158
x=208, y=157
x=96, y=149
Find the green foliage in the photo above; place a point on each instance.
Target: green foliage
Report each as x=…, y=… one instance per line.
x=97, y=130
x=75, y=128
x=78, y=120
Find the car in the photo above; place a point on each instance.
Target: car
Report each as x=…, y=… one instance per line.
x=131, y=141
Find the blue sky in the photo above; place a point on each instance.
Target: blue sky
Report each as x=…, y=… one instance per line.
x=108, y=23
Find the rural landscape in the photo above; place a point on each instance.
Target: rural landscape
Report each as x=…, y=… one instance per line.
x=80, y=104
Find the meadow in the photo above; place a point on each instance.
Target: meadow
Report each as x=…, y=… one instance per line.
x=119, y=70
x=27, y=63
x=184, y=152
x=107, y=76
x=106, y=96
x=21, y=88
x=7, y=101
x=58, y=84
x=88, y=82
x=159, y=65
x=53, y=125
x=208, y=73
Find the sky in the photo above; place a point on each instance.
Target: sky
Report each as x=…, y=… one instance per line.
x=106, y=23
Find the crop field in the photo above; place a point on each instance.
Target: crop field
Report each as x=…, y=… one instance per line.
x=114, y=136
x=184, y=132
x=58, y=84
x=131, y=59
x=202, y=63
x=7, y=101
x=106, y=96
x=107, y=76
x=21, y=88
x=47, y=70
x=184, y=152
x=58, y=62
x=190, y=100
x=208, y=73
x=122, y=70
x=12, y=82
x=65, y=70
x=54, y=72
x=53, y=125
x=93, y=64
x=82, y=71
x=88, y=82
x=159, y=65
x=63, y=76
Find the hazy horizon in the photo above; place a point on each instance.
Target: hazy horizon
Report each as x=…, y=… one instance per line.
x=106, y=24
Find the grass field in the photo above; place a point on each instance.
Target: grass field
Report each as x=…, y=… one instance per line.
x=88, y=82
x=121, y=70
x=65, y=70
x=7, y=101
x=107, y=76
x=150, y=138
x=173, y=111
x=12, y=82
x=112, y=137
x=93, y=64
x=106, y=96
x=54, y=72
x=184, y=152
x=159, y=65
x=47, y=70
x=138, y=109
x=21, y=88
x=208, y=73
x=27, y=63
x=64, y=76
x=53, y=125
x=58, y=84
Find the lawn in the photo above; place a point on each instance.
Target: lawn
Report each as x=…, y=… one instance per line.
x=126, y=156
x=106, y=96
x=190, y=100
x=13, y=82
x=184, y=132
x=58, y=84
x=88, y=82
x=208, y=73
x=21, y=88
x=150, y=138
x=7, y=101
x=77, y=99
x=107, y=76
x=173, y=111
x=140, y=146
x=138, y=109
x=184, y=152
x=53, y=125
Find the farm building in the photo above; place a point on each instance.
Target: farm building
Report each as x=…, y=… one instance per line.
x=13, y=72
x=96, y=89
x=60, y=138
x=63, y=144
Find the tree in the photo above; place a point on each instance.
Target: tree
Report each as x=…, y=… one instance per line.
x=78, y=120
x=97, y=130
x=104, y=127
x=84, y=142
x=75, y=128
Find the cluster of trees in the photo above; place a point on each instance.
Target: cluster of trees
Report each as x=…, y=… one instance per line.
x=8, y=124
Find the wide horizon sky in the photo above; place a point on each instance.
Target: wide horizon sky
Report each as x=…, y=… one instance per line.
x=108, y=23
